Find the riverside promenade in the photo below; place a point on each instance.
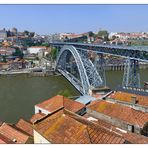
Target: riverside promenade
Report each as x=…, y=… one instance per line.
x=36, y=71
x=22, y=71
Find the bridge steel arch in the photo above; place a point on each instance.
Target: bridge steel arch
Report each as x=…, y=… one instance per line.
x=89, y=77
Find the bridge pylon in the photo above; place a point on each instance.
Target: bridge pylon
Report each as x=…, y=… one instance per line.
x=131, y=76
x=99, y=63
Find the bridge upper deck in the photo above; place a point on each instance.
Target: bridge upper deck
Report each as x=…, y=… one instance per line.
x=138, y=53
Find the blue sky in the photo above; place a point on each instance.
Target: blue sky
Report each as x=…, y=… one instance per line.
x=45, y=19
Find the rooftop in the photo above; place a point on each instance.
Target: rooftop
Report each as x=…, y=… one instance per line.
x=85, y=99
x=135, y=138
x=43, y=47
x=36, y=117
x=58, y=101
x=5, y=140
x=11, y=133
x=120, y=112
x=130, y=137
x=70, y=128
x=25, y=126
x=126, y=97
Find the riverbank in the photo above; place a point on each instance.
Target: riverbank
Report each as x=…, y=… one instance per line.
x=30, y=72
x=44, y=72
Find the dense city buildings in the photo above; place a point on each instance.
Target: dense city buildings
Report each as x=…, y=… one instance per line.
x=3, y=34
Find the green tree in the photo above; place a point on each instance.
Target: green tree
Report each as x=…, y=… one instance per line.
x=65, y=93
x=26, y=32
x=54, y=52
x=91, y=34
x=104, y=34
x=31, y=34
x=18, y=52
x=45, y=44
x=114, y=37
x=4, y=59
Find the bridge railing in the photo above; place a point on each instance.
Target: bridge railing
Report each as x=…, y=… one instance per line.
x=136, y=53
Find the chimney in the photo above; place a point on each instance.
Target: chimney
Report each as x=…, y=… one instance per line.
x=14, y=140
x=134, y=100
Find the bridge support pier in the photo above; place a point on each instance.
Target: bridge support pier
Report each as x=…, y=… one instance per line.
x=131, y=76
x=100, y=66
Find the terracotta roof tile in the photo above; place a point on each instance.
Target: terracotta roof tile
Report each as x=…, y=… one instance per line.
x=5, y=140
x=121, y=112
x=123, y=96
x=11, y=133
x=63, y=128
x=128, y=136
x=58, y=101
x=72, y=105
x=37, y=116
x=135, y=138
x=25, y=126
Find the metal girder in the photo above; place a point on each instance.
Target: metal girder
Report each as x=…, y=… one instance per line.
x=136, y=53
x=89, y=76
x=131, y=76
x=99, y=63
x=83, y=76
x=92, y=73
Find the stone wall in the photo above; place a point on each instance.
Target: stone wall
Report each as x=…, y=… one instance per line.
x=39, y=139
x=117, y=122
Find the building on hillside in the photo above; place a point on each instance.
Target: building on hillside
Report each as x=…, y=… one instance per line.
x=35, y=49
x=72, y=37
x=129, y=36
x=3, y=34
x=4, y=66
x=119, y=42
x=46, y=63
x=41, y=53
x=98, y=41
x=14, y=31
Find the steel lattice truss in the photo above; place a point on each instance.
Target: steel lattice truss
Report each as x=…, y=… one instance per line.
x=89, y=77
x=99, y=63
x=137, y=53
x=131, y=76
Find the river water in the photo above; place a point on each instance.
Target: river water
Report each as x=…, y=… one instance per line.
x=19, y=94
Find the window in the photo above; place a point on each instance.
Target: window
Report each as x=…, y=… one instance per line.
x=130, y=128
x=40, y=111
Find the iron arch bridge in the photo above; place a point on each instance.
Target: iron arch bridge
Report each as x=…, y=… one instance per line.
x=88, y=74
x=92, y=76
